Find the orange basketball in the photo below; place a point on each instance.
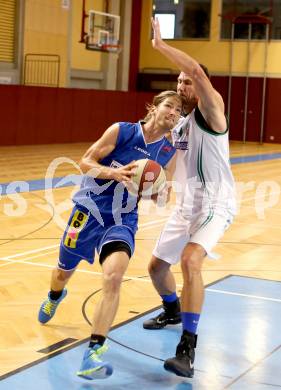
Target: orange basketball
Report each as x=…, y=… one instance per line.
x=149, y=178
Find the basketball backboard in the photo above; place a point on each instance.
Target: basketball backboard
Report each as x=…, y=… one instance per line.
x=103, y=32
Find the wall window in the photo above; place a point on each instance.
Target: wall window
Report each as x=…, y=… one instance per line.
x=191, y=18
x=167, y=25
x=7, y=31
x=266, y=11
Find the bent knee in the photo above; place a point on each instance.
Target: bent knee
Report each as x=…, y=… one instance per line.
x=157, y=266
x=191, y=263
x=112, y=281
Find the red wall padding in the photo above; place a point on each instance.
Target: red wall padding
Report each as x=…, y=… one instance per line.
x=272, y=126
x=8, y=108
x=40, y=115
x=273, y=112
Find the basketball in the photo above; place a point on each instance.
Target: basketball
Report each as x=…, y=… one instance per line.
x=148, y=180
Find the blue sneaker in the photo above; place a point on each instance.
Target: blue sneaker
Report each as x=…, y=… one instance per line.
x=49, y=307
x=92, y=366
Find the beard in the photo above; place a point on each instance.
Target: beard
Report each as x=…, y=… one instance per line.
x=189, y=103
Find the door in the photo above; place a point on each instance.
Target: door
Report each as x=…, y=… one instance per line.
x=251, y=121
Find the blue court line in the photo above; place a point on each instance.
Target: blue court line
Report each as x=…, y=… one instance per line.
x=255, y=158
x=39, y=184
x=239, y=347
x=70, y=180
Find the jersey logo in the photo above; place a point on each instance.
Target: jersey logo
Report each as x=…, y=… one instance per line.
x=77, y=223
x=167, y=149
x=115, y=164
x=142, y=150
x=181, y=145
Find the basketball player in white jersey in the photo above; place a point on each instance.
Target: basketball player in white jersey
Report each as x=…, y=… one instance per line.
x=205, y=204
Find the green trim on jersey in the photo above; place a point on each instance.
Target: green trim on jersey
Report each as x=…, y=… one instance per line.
x=203, y=124
x=199, y=164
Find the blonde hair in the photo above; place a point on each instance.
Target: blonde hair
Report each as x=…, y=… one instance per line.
x=159, y=99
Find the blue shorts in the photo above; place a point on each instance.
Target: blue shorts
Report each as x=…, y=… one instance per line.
x=84, y=235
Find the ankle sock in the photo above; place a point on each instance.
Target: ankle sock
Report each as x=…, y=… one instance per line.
x=190, y=321
x=55, y=295
x=171, y=304
x=96, y=339
x=169, y=298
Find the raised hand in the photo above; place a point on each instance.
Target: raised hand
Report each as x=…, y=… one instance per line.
x=156, y=41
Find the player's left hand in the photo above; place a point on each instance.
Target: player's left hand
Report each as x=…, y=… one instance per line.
x=156, y=41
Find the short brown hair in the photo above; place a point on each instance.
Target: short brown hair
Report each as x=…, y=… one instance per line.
x=159, y=99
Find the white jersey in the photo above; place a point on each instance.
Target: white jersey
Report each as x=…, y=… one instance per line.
x=203, y=179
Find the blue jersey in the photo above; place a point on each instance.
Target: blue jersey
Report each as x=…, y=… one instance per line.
x=108, y=200
x=104, y=211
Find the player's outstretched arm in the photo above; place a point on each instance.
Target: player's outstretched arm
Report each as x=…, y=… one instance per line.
x=183, y=61
x=90, y=165
x=210, y=102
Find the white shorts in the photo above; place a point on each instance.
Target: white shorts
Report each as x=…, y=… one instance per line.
x=202, y=229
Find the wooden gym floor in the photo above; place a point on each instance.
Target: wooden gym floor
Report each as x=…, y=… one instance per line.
x=32, y=223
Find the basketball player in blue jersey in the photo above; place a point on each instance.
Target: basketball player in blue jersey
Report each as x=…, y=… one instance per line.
x=105, y=218
x=205, y=206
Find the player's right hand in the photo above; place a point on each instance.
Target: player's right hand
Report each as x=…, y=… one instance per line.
x=125, y=173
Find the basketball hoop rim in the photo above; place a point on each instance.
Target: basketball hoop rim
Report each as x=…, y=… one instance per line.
x=107, y=48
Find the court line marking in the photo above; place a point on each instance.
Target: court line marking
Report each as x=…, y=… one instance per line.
x=29, y=252
x=10, y=261
x=134, y=278
x=144, y=225
x=243, y=295
x=257, y=363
